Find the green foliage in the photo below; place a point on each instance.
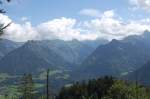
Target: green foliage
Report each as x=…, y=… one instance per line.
x=42, y=97
x=104, y=88
x=26, y=88
x=123, y=90
x=94, y=89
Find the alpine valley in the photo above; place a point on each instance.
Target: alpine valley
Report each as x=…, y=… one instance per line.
x=75, y=60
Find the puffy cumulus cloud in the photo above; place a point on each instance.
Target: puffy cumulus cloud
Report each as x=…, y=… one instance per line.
x=109, y=26
x=108, y=14
x=63, y=28
x=90, y=12
x=144, y=4
x=4, y=19
x=21, y=32
x=18, y=32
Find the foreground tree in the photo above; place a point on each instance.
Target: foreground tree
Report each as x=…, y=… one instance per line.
x=26, y=87
x=2, y=26
x=1, y=2
x=122, y=90
x=47, y=84
x=104, y=88
x=93, y=89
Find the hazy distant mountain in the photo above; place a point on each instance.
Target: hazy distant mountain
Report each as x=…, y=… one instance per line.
x=142, y=75
x=53, y=54
x=6, y=46
x=118, y=57
x=139, y=39
x=72, y=51
x=31, y=57
x=80, y=50
x=95, y=43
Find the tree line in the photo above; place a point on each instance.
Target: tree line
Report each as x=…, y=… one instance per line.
x=27, y=90
x=102, y=88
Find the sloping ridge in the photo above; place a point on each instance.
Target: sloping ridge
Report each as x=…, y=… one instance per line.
x=117, y=57
x=31, y=58
x=142, y=75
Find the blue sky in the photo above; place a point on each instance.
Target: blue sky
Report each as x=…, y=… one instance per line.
x=43, y=10
x=75, y=19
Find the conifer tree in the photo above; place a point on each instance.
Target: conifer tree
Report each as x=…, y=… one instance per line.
x=47, y=85
x=26, y=87
x=30, y=87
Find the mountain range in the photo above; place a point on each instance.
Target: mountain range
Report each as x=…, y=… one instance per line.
x=117, y=58
x=7, y=46
x=34, y=56
x=141, y=75
x=83, y=59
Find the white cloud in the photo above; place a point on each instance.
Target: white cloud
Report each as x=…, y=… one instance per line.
x=21, y=32
x=63, y=28
x=24, y=19
x=18, y=32
x=90, y=12
x=143, y=4
x=4, y=19
x=108, y=26
x=109, y=14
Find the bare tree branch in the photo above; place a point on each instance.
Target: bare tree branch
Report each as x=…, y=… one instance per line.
x=2, y=11
x=3, y=28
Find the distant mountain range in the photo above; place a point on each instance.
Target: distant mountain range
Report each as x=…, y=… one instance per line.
x=7, y=46
x=34, y=56
x=95, y=43
x=117, y=58
x=141, y=75
x=83, y=59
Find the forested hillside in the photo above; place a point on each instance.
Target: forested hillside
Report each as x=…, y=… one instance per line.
x=104, y=88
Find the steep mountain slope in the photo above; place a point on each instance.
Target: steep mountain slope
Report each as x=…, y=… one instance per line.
x=6, y=46
x=72, y=51
x=142, y=75
x=95, y=43
x=118, y=57
x=80, y=50
x=143, y=39
x=31, y=57
x=37, y=55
